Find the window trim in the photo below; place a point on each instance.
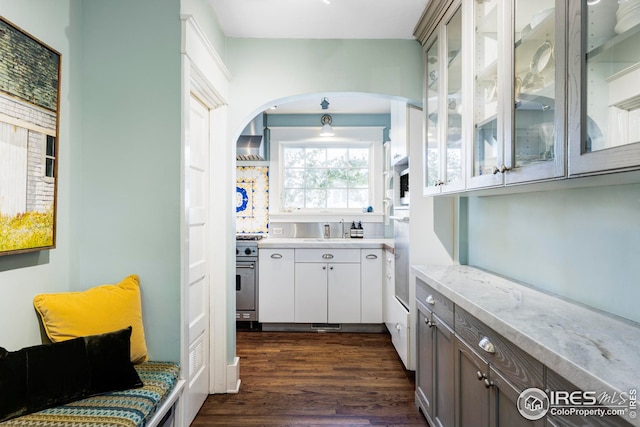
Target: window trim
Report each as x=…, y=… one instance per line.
x=373, y=136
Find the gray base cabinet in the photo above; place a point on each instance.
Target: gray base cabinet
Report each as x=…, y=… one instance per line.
x=469, y=375
x=435, y=353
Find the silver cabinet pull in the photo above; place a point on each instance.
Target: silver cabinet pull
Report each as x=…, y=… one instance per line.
x=276, y=256
x=245, y=266
x=481, y=376
x=487, y=383
x=431, y=300
x=327, y=256
x=372, y=256
x=487, y=345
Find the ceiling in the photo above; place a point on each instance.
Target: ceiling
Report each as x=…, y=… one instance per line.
x=319, y=19
x=322, y=19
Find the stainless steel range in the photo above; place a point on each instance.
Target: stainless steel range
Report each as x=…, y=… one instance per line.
x=247, y=277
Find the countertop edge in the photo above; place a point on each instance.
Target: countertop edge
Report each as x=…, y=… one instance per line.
x=319, y=243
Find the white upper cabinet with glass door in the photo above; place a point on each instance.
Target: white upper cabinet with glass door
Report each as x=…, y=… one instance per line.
x=604, y=89
x=486, y=82
x=444, y=142
x=536, y=120
x=518, y=110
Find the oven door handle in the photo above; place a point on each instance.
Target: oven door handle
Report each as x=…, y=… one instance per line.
x=252, y=265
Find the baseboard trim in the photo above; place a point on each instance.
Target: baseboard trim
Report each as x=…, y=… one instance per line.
x=233, y=376
x=315, y=327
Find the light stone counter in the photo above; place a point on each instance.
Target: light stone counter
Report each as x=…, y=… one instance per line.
x=591, y=349
x=320, y=243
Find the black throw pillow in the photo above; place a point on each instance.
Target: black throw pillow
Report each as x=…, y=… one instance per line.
x=110, y=363
x=56, y=374
x=13, y=383
x=48, y=375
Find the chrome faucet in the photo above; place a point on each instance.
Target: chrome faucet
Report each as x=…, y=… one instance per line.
x=344, y=235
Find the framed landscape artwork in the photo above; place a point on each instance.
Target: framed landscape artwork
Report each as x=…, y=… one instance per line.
x=29, y=116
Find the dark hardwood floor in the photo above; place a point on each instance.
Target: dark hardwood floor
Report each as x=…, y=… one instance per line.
x=316, y=379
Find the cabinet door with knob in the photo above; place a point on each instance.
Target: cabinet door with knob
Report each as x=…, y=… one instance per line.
x=276, y=285
x=435, y=358
x=327, y=286
x=490, y=367
x=444, y=148
x=472, y=387
x=516, y=122
x=371, y=290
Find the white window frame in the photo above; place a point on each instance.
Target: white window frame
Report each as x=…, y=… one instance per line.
x=369, y=136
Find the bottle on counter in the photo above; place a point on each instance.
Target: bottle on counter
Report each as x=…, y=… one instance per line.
x=360, y=230
x=353, y=232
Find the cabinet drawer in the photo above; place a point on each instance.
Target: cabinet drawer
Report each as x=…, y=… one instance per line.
x=277, y=255
x=398, y=320
x=519, y=367
x=328, y=255
x=434, y=301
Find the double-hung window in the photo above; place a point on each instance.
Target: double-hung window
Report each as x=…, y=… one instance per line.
x=320, y=176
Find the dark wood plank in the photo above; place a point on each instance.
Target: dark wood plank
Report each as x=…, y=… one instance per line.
x=316, y=379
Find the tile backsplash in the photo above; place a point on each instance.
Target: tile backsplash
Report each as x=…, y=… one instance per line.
x=252, y=199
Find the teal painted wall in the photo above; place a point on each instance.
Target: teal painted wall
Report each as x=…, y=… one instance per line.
x=268, y=70
x=581, y=243
x=25, y=275
x=129, y=194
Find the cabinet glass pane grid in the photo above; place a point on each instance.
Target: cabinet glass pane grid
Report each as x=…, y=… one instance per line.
x=613, y=71
x=485, y=138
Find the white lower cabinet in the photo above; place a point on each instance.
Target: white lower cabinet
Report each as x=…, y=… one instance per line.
x=321, y=286
x=276, y=286
x=371, y=271
x=343, y=289
x=327, y=292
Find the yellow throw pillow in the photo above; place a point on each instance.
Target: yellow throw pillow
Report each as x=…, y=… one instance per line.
x=95, y=311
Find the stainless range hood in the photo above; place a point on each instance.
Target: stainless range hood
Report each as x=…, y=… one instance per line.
x=251, y=144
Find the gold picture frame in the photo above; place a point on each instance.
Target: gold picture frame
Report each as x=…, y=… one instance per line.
x=29, y=120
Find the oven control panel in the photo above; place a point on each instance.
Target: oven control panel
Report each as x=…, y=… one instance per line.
x=246, y=250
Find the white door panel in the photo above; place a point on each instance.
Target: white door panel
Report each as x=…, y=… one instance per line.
x=198, y=286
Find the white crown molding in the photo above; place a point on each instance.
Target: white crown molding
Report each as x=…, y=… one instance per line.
x=190, y=26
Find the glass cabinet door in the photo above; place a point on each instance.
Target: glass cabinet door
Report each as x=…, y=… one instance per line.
x=454, y=140
x=537, y=138
x=487, y=138
x=609, y=101
x=444, y=142
x=432, y=168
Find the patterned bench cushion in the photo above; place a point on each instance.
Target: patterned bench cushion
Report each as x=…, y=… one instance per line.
x=128, y=408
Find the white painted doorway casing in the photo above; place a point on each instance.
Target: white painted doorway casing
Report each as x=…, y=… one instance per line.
x=207, y=352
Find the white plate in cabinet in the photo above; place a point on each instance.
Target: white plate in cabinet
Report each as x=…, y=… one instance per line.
x=398, y=328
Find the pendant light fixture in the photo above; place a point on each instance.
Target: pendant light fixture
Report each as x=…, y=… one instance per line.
x=326, y=130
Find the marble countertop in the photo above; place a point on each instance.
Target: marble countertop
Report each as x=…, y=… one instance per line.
x=320, y=243
x=593, y=350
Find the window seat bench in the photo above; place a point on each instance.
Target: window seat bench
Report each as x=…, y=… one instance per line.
x=156, y=404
